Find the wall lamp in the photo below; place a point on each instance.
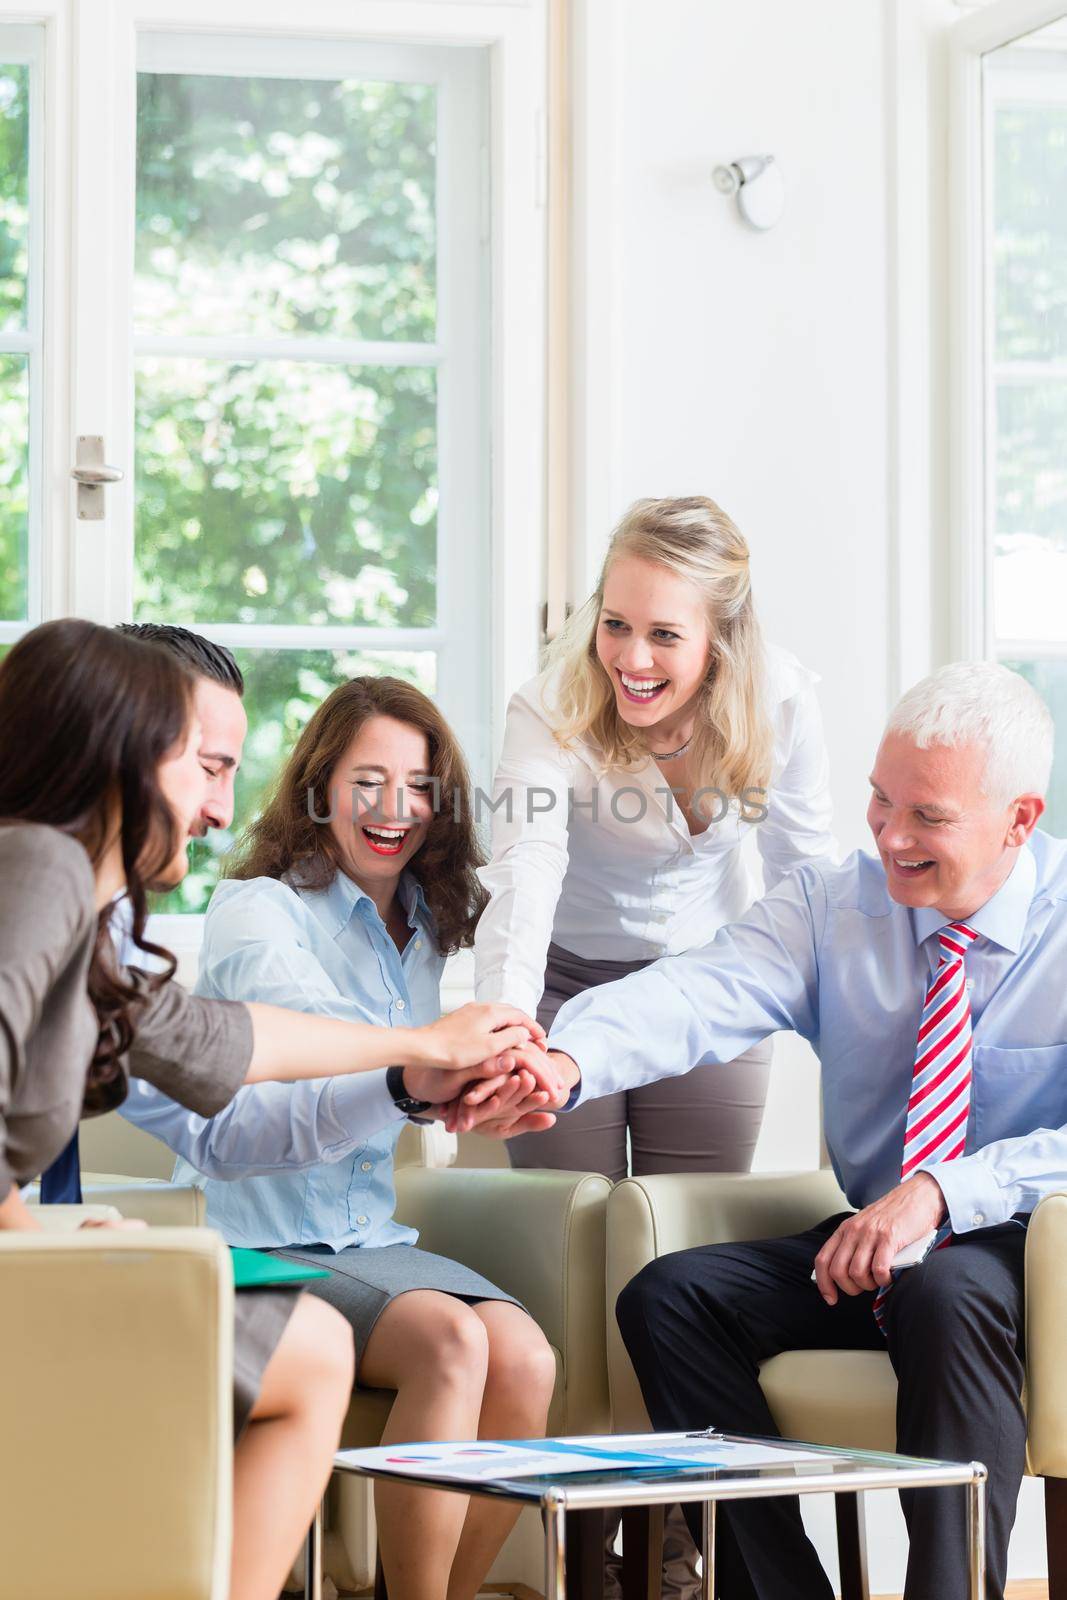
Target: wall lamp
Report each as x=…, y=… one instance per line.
x=757, y=183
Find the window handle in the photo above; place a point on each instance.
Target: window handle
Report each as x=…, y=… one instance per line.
x=92, y=474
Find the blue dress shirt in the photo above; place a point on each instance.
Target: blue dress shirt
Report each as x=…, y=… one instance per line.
x=310, y=1162
x=831, y=956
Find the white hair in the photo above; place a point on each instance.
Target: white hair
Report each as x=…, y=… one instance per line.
x=983, y=703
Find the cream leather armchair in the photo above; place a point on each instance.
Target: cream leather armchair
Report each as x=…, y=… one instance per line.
x=116, y=1353
x=845, y=1398
x=539, y=1235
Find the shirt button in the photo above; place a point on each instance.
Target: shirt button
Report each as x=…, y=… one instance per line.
x=978, y=1218
x=367, y=1165
x=418, y=944
x=400, y=1005
x=362, y=1221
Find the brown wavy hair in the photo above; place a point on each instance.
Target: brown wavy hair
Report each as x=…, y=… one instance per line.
x=86, y=718
x=287, y=838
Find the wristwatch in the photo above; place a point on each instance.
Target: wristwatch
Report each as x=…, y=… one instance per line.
x=394, y=1082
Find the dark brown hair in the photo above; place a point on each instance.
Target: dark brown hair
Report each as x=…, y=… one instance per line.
x=203, y=657
x=287, y=838
x=86, y=717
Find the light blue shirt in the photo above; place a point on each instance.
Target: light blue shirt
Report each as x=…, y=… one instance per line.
x=310, y=1162
x=831, y=956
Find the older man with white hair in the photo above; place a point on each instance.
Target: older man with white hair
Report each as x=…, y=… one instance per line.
x=930, y=979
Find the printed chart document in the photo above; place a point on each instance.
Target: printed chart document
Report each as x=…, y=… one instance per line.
x=533, y=1458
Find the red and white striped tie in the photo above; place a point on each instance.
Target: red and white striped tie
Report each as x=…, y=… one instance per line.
x=940, y=1100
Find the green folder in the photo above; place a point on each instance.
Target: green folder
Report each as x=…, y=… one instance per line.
x=254, y=1269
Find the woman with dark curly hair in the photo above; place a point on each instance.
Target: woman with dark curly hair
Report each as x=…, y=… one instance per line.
x=349, y=892
x=100, y=784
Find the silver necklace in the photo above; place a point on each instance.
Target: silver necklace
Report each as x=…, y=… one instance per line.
x=672, y=755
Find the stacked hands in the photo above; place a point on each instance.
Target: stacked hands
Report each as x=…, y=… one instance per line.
x=517, y=1088
x=489, y=1067
x=483, y=1066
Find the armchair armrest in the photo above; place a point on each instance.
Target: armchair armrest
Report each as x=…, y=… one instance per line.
x=539, y=1236
x=161, y=1205
x=651, y=1217
x=69, y=1218
x=116, y=1354
x=153, y=1200
x=1046, y=1339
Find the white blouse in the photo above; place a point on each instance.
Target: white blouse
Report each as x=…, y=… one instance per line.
x=599, y=862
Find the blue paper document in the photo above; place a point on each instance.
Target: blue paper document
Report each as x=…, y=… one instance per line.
x=531, y=1458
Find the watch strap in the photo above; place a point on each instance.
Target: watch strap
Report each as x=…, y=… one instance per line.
x=394, y=1082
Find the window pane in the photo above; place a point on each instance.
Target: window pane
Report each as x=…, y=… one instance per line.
x=269, y=205
x=1030, y=543
x=1049, y=678
x=14, y=486
x=282, y=689
x=1030, y=228
x=14, y=194
x=286, y=492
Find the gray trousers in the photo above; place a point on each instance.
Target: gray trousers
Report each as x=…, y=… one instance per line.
x=706, y=1120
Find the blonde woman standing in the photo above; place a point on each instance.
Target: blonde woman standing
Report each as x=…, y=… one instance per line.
x=661, y=737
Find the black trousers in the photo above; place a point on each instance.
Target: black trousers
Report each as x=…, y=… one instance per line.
x=697, y=1324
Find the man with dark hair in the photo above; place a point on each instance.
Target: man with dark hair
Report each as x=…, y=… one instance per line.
x=223, y=723
x=219, y=687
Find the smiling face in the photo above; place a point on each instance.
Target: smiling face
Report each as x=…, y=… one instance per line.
x=223, y=728
x=184, y=784
x=942, y=841
x=652, y=641
x=381, y=801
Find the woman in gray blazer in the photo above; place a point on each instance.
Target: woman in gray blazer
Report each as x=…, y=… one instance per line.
x=100, y=781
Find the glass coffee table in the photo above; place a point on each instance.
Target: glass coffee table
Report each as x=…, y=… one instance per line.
x=747, y=1469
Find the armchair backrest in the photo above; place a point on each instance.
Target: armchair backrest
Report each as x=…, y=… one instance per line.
x=116, y=1357
x=112, y=1145
x=650, y=1217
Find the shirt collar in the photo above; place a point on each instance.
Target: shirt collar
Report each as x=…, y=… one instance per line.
x=413, y=899
x=342, y=899
x=1002, y=919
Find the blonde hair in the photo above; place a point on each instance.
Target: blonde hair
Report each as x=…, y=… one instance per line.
x=732, y=737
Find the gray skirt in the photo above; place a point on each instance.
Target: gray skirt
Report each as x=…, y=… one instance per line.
x=260, y=1317
x=364, y=1279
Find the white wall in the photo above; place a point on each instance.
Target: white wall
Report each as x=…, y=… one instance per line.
x=750, y=367
x=797, y=376
x=791, y=375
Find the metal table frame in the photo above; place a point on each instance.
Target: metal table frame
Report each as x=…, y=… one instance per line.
x=558, y=1499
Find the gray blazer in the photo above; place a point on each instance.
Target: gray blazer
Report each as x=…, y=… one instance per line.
x=195, y=1050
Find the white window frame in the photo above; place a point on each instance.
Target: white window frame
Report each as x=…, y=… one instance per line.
x=972, y=430
x=514, y=36
x=459, y=638
x=25, y=46
x=90, y=56
x=51, y=199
